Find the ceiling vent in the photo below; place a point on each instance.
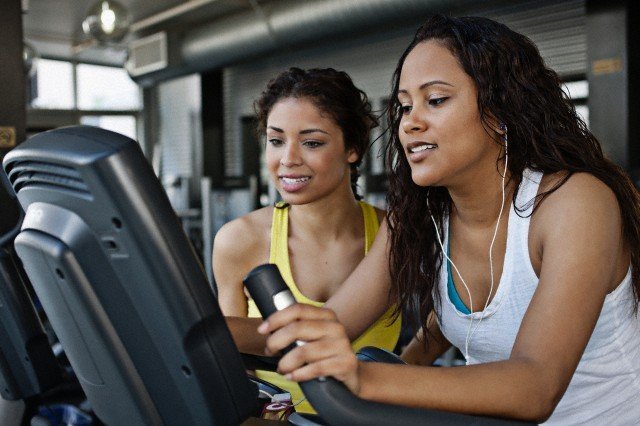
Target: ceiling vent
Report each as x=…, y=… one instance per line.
x=147, y=54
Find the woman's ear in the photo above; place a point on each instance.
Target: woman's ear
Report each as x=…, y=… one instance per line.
x=497, y=125
x=352, y=156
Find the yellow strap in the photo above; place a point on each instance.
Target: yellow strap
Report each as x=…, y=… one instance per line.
x=279, y=252
x=371, y=224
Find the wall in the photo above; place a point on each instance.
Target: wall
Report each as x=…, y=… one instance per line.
x=181, y=139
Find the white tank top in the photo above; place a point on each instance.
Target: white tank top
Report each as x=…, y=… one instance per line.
x=605, y=388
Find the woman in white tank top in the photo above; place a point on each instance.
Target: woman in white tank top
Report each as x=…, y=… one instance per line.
x=510, y=234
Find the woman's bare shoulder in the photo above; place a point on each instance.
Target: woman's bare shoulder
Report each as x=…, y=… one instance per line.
x=580, y=188
x=246, y=236
x=581, y=200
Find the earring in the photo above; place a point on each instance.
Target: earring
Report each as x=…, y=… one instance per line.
x=503, y=128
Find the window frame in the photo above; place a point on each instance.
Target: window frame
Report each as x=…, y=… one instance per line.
x=41, y=119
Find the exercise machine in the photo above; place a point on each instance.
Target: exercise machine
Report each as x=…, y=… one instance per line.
x=129, y=300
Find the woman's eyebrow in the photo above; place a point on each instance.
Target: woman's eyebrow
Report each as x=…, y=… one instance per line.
x=307, y=131
x=427, y=84
x=302, y=132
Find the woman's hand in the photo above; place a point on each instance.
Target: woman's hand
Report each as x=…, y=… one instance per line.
x=327, y=349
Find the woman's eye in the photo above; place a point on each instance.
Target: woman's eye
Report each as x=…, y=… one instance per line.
x=275, y=142
x=437, y=101
x=313, y=144
x=406, y=109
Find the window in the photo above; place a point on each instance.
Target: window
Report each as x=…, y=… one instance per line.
x=52, y=85
x=123, y=124
x=578, y=91
x=95, y=95
x=106, y=88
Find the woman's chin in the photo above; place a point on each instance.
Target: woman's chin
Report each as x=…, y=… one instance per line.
x=296, y=198
x=423, y=179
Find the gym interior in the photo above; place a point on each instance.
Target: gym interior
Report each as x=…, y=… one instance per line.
x=179, y=77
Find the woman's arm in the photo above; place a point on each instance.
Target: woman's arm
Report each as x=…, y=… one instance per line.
x=579, y=229
x=364, y=296
x=228, y=266
x=417, y=353
x=235, y=251
x=245, y=336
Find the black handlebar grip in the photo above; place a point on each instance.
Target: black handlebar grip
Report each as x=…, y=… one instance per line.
x=268, y=289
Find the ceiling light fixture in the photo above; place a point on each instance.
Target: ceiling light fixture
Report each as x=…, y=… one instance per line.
x=107, y=21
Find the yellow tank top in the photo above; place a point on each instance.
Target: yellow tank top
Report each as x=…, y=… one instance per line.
x=381, y=334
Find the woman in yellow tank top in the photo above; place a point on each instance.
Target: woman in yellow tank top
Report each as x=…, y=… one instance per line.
x=317, y=125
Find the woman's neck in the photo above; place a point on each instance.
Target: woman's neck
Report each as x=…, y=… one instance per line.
x=477, y=202
x=329, y=218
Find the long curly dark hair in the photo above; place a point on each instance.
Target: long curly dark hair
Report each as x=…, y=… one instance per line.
x=545, y=134
x=334, y=93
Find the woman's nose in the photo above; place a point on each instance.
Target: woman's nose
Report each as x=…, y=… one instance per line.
x=290, y=156
x=412, y=122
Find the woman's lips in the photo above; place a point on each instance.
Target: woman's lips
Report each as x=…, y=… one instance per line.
x=417, y=151
x=294, y=183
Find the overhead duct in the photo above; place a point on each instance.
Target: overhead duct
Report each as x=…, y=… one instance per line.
x=284, y=24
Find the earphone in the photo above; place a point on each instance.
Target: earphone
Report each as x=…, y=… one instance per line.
x=470, y=330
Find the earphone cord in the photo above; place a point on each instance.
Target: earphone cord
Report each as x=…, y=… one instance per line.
x=493, y=240
x=466, y=349
x=471, y=331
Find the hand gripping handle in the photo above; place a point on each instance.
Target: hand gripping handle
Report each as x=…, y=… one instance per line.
x=331, y=399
